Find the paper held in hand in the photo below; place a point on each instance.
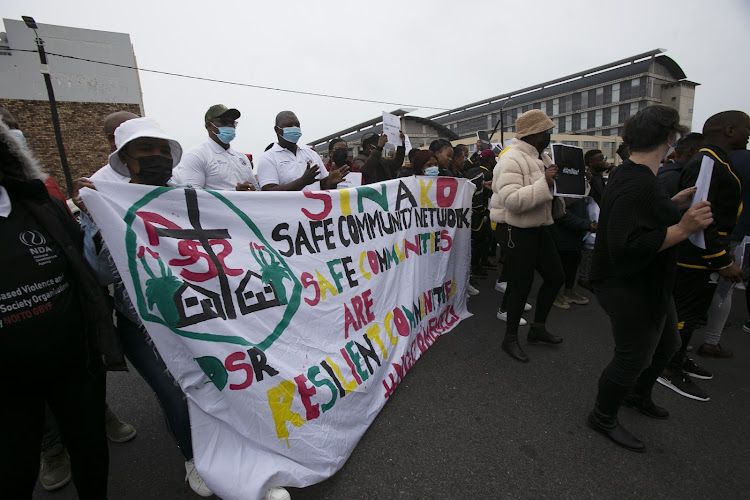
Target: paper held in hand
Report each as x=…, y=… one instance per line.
x=571, y=170
x=392, y=128
x=701, y=194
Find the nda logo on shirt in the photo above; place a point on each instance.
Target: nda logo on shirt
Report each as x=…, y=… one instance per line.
x=38, y=247
x=32, y=238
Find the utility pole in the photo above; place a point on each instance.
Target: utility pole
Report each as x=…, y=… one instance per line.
x=30, y=23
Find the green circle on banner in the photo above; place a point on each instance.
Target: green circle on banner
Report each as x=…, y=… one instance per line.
x=158, y=289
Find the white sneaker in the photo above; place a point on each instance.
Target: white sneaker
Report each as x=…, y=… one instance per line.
x=504, y=317
x=195, y=480
x=501, y=286
x=471, y=290
x=526, y=307
x=277, y=494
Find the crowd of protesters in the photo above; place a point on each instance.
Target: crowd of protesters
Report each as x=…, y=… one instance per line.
x=628, y=240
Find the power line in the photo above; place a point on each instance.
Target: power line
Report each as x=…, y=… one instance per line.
x=232, y=83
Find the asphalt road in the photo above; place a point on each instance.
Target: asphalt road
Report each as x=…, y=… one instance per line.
x=469, y=422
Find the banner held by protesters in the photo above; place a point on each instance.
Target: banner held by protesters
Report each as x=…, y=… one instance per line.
x=288, y=318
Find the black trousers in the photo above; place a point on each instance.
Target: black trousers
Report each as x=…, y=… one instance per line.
x=693, y=292
x=480, y=234
x=144, y=357
x=645, y=339
x=529, y=250
x=570, y=262
x=75, y=393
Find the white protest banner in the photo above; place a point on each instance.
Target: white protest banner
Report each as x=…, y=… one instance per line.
x=288, y=318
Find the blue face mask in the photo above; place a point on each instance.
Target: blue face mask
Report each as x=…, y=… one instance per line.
x=291, y=134
x=434, y=171
x=225, y=134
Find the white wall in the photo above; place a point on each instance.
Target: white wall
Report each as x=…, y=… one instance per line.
x=73, y=80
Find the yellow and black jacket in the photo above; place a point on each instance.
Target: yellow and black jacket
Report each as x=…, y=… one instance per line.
x=725, y=196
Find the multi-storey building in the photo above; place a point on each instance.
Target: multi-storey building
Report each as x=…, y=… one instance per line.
x=593, y=102
x=589, y=108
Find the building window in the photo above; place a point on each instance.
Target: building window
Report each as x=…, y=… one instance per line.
x=606, y=115
x=607, y=94
x=615, y=92
x=570, y=143
x=526, y=108
x=566, y=104
x=556, y=130
x=598, y=118
x=569, y=123
x=584, y=121
x=561, y=121
x=576, y=101
x=599, y=96
x=615, y=116
x=624, y=112
x=548, y=107
x=605, y=132
x=614, y=132
x=608, y=148
x=584, y=100
x=576, y=122
x=555, y=106
x=633, y=108
x=489, y=122
x=636, y=88
x=590, y=144
x=537, y=105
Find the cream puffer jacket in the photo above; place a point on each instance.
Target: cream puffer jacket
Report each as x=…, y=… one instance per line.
x=520, y=193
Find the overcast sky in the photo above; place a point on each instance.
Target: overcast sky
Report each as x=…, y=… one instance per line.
x=415, y=52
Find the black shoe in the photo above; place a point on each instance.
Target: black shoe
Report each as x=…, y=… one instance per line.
x=513, y=348
x=610, y=427
x=645, y=406
x=540, y=334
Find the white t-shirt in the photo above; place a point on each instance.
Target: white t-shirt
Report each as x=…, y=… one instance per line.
x=107, y=173
x=280, y=166
x=209, y=166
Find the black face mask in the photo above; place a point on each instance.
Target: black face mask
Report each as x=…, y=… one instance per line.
x=544, y=141
x=340, y=156
x=155, y=170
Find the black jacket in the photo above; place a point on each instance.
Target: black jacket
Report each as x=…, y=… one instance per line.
x=725, y=196
x=668, y=176
x=376, y=169
x=568, y=231
x=102, y=341
x=597, y=188
x=635, y=215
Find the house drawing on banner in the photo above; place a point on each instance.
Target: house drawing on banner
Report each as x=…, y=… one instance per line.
x=196, y=304
x=253, y=295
